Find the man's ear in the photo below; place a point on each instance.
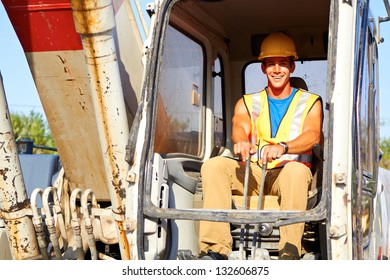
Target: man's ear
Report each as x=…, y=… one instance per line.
x=292, y=67
x=263, y=66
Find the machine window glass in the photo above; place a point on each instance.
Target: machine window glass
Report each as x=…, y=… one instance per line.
x=179, y=123
x=367, y=110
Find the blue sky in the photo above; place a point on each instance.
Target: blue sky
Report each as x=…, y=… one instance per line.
x=23, y=97
x=19, y=86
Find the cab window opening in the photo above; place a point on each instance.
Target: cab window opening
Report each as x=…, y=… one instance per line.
x=314, y=73
x=180, y=111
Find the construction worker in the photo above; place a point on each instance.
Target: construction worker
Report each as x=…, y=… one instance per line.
x=278, y=126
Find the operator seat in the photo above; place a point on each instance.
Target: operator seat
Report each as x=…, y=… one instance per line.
x=298, y=82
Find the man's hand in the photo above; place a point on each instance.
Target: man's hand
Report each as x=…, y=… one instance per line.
x=271, y=152
x=244, y=149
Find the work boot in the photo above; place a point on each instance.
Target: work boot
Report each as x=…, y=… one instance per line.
x=289, y=252
x=287, y=256
x=213, y=256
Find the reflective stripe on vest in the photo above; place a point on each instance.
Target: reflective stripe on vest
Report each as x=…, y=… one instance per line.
x=290, y=126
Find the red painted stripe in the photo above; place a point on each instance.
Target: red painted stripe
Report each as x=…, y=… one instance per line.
x=45, y=25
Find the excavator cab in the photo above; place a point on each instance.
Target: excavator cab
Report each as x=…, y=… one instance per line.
x=205, y=59
x=203, y=63
x=134, y=121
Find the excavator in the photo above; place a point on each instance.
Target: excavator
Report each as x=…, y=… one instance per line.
x=138, y=98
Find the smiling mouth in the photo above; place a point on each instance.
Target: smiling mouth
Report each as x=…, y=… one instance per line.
x=277, y=77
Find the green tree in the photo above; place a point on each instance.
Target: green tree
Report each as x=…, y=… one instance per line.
x=34, y=127
x=385, y=147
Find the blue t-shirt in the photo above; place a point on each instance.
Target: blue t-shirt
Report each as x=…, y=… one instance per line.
x=278, y=108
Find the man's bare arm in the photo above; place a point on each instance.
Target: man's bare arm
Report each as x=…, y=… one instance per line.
x=241, y=129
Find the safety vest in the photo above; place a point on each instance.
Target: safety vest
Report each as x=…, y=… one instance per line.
x=290, y=126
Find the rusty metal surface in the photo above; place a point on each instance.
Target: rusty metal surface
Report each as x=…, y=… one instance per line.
x=94, y=21
x=13, y=194
x=22, y=242
x=87, y=121
x=62, y=83
x=60, y=73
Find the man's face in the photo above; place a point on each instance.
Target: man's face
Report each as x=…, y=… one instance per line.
x=278, y=70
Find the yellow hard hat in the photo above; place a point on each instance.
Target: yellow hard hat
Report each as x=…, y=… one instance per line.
x=277, y=45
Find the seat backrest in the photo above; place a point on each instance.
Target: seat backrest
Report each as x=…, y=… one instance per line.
x=316, y=169
x=298, y=82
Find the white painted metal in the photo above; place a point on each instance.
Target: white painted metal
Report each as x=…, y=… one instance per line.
x=14, y=202
x=67, y=102
x=340, y=227
x=95, y=22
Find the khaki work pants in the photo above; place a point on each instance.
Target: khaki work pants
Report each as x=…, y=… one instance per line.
x=223, y=177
